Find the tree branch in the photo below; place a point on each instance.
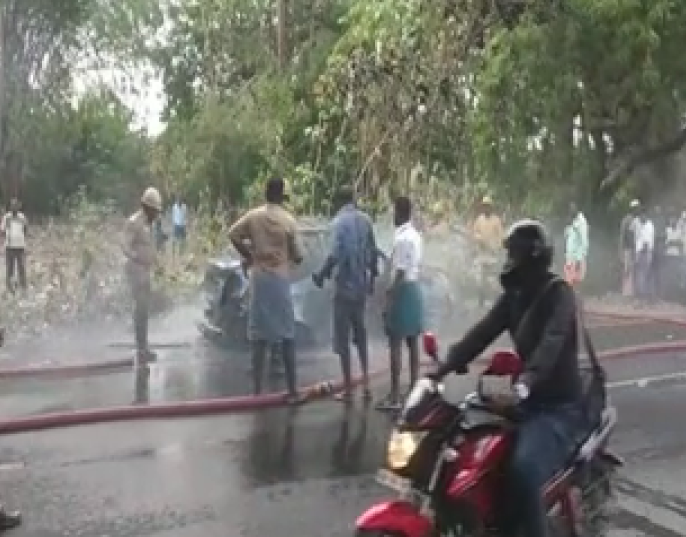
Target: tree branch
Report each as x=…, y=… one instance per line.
x=646, y=156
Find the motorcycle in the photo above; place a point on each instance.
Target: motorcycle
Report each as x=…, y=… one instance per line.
x=447, y=462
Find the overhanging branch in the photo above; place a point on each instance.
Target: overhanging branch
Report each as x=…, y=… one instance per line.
x=646, y=156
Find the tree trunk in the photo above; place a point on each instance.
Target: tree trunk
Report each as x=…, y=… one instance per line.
x=282, y=30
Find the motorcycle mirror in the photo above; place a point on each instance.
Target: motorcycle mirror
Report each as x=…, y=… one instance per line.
x=430, y=344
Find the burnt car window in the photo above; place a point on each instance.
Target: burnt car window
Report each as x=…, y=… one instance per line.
x=315, y=245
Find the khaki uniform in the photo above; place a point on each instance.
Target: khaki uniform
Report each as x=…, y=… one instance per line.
x=488, y=232
x=139, y=250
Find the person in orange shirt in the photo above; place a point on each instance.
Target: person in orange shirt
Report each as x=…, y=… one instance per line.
x=488, y=233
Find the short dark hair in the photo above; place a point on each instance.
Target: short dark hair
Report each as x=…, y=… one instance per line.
x=345, y=195
x=275, y=190
x=403, y=206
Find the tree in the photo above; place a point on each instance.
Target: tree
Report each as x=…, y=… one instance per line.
x=585, y=98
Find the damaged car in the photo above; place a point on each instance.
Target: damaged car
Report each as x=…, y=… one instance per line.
x=226, y=286
x=226, y=294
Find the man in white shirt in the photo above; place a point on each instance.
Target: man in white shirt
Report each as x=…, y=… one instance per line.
x=627, y=247
x=13, y=228
x=180, y=222
x=645, y=247
x=404, y=317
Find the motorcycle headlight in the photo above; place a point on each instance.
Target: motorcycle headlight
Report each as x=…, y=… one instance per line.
x=401, y=447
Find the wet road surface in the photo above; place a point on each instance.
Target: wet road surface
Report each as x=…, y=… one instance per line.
x=190, y=367
x=305, y=472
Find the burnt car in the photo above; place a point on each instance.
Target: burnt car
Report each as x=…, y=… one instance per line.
x=225, y=288
x=226, y=294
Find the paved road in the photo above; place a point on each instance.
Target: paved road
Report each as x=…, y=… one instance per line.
x=191, y=368
x=306, y=472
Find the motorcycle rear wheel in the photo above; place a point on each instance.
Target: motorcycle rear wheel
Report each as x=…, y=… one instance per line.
x=598, y=498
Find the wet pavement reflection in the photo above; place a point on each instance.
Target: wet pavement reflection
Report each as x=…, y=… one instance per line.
x=305, y=471
x=193, y=368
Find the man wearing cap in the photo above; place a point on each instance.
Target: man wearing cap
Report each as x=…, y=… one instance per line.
x=627, y=247
x=266, y=238
x=353, y=255
x=488, y=233
x=140, y=252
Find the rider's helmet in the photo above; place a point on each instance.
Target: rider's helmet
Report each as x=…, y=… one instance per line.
x=529, y=253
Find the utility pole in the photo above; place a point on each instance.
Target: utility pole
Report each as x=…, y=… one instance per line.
x=281, y=32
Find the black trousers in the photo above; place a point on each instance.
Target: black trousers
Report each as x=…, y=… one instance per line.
x=15, y=258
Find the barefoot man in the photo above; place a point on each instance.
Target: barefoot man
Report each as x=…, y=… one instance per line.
x=266, y=238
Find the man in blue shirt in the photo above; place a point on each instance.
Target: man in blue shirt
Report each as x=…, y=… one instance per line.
x=353, y=256
x=179, y=219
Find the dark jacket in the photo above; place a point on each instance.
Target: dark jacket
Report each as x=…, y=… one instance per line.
x=547, y=344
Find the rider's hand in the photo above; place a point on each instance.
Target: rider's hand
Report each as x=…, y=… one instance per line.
x=436, y=375
x=318, y=279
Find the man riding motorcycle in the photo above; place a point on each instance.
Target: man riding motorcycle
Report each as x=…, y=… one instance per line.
x=538, y=309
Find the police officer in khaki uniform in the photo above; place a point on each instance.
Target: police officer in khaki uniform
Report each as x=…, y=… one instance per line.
x=140, y=252
x=488, y=233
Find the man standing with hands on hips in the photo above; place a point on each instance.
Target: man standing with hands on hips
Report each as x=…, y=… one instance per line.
x=353, y=256
x=141, y=254
x=267, y=240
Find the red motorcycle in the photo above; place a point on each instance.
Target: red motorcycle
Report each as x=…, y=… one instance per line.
x=447, y=462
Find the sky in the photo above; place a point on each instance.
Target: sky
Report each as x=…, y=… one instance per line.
x=142, y=91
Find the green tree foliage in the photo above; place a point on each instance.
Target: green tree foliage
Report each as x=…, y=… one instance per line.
x=88, y=147
x=583, y=99
x=51, y=141
x=534, y=102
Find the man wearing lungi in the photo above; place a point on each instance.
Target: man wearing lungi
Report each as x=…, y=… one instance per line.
x=353, y=255
x=645, y=245
x=266, y=238
x=404, y=308
x=627, y=248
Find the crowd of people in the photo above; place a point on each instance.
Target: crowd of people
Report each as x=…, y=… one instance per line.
x=652, y=248
x=267, y=240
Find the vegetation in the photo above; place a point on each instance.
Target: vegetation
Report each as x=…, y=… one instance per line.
x=533, y=102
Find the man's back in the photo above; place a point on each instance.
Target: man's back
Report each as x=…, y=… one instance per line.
x=355, y=250
x=271, y=232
